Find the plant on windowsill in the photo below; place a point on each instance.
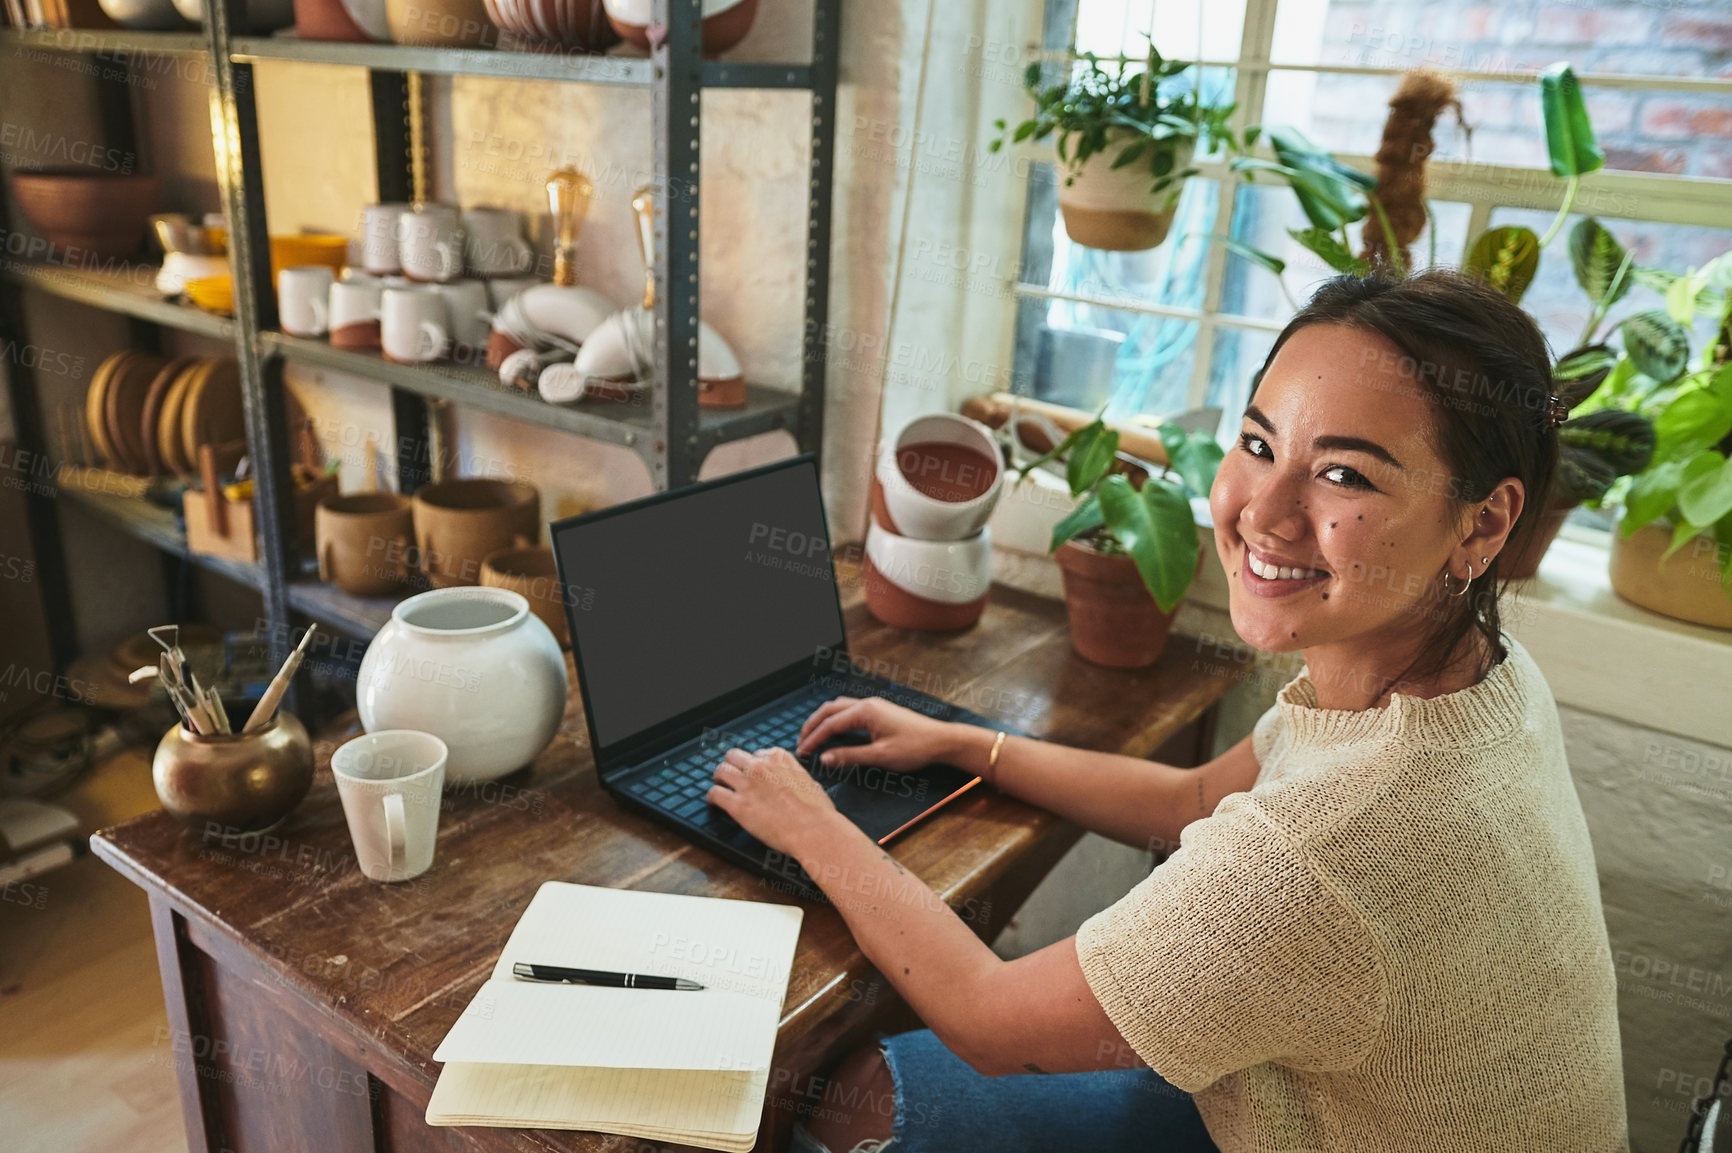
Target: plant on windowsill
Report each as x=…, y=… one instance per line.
x=1681, y=500
x=1128, y=554
x=1122, y=143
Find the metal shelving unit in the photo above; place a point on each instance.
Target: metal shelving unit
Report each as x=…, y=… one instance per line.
x=669, y=432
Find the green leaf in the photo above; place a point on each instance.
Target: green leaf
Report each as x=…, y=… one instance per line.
x=1707, y=496
x=1691, y=423
x=1623, y=440
x=1659, y=345
x=1597, y=256
x=1194, y=456
x=1131, y=154
x=1569, y=135
x=1506, y=258
x=1157, y=532
x=1330, y=250
x=1681, y=299
x=1081, y=519
x=1579, y=372
x=1091, y=455
x=1273, y=263
x=1655, y=491
x=1251, y=135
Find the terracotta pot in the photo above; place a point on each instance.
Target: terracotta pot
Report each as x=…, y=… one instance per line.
x=1113, y=619
x=930, y=585
x=363, y=542
x=245, y=782
x=1112, y=208
x=533, y=575
x=441, y=23
x=576, y=24
x=1686, y=585
x=459, y=522
x=726, y=22
x=106, y=213
x=1525, y=562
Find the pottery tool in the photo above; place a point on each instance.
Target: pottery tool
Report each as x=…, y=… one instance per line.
x=193, y=715
x=143, y=673
x=200, y=701
x=267, y=706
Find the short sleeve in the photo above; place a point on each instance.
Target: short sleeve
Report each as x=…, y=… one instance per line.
x=1232, y=953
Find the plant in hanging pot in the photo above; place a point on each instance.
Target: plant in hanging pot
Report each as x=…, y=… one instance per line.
x=1672, y=548
x=1125, y=147
x=1128, y=555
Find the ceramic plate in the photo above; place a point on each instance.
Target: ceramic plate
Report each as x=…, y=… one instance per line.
x=212, y=411
x=124, y=404
x=149, y=418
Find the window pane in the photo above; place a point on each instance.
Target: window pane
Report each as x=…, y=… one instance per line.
x=1473, y=36
x=1114, y=27
x=1238, y=354
x=1560, y=306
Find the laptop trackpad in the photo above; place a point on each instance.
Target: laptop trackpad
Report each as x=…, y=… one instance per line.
x=881, y=801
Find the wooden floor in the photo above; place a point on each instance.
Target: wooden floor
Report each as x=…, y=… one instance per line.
x=85, y=1062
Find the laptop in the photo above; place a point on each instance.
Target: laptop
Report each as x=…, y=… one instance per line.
x=706, y=619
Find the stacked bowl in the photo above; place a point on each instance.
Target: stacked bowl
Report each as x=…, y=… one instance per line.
x=928, y=550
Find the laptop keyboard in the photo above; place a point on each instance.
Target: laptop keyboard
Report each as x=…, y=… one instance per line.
x=679, y=786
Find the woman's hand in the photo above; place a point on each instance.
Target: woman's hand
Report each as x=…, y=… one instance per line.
x=774, y=798
x=902, y=739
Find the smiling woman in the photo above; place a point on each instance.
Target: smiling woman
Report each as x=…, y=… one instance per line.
x=1382, y=927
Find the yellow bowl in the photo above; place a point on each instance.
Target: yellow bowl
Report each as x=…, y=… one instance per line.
x=212, y=293
x=310, y=248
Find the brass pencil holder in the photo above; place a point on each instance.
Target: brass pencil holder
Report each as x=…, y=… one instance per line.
x=244, y=782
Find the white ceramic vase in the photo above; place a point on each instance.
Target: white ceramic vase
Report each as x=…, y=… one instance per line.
x=474, y=667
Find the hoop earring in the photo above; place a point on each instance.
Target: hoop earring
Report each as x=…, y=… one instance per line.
x=1467, y=584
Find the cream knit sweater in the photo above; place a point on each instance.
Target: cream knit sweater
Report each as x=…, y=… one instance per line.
x=1393, y=942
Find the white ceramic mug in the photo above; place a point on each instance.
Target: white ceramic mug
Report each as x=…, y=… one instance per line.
x=390, y=783
x=301, y=297
x=466, y=305
x=917, y=514
x=493, y=243
x=413, y=325
x=430, y=243
x=354, y=313
x=379, y=237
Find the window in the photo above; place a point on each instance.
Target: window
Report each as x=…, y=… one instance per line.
x=1186, y=324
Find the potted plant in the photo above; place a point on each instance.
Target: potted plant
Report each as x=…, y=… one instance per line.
x=1122, y=143
x=1680, y=502
x=1128, y=554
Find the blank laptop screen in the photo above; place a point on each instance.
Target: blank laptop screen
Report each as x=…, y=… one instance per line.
x=680, y=601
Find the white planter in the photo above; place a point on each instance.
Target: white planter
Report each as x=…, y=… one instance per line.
x=1113, y=209
x=474, y=667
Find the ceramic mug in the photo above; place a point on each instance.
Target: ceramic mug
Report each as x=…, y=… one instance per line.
x=458, y=523
x=926, y=584
x=493, y=243
x=364, y=541
x=939, y=478
x=390, y=783
x=430, y=243
x=466, y=307
x=379, y=237
x=302, y=292
x=356, y=301
x=414, y=327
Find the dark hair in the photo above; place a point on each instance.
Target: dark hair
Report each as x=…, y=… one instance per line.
x=1485, y=369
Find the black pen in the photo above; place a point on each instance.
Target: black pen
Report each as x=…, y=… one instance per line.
x=598, y=977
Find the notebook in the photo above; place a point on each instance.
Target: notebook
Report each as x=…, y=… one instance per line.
x=688, y=1067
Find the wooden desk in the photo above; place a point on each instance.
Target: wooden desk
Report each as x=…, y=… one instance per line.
x=305, y=1002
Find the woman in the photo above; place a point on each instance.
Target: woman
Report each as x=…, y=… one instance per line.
x=1382, y=929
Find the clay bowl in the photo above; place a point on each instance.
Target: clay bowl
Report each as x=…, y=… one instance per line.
x=533, y=575
x=102, y=212
x=459, y=523
x=579, y=25
x=441, y=23
x=930, y=585
x=363, y=541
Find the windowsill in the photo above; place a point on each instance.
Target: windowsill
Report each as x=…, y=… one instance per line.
x=1598, y=652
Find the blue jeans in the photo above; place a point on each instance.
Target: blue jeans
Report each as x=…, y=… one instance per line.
x=943, y=1106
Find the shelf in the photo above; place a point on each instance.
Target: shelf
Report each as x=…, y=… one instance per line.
x=580, y=67
x=129, y=289
x=155, y=525
x=766, y=409
x=106, y=42
x=331, y=606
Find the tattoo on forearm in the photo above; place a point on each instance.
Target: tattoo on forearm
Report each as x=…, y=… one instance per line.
x=897, y=865
x=1033, y=1068
x=1201, y=806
